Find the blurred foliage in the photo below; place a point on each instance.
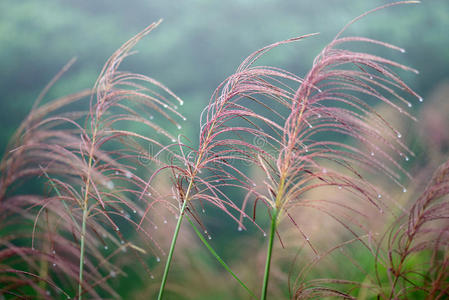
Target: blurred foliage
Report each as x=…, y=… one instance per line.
x=199, y=43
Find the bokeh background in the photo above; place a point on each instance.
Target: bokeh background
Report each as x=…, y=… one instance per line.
x=197, y=46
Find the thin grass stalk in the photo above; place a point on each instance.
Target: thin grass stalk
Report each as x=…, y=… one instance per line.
x=84, y=221
x=218, y=258
x=172, y=246
x=266, y=276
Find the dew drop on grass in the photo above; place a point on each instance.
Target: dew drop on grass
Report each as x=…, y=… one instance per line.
x=165, y=221
x=402, y=50
x=204, y=211
x=184, y=118
x=173, y=140
x=404, y=190
x=122, y=242
x=134, y=211
x=152, y=276
x=54, y=264
x=48, y=293
x=155, y=226
x=205, y=231
x=409, y=104
x=113, y=274
x=149, y=194
x=339, y=187
x=54, y=252
x=264, y=234
x=116, y=172
x=117, y=229
x=209, y=237
x=239, y=228
x=151, y=117
x=379, y=196
x=179, y=126
x=165, y=105
x=406, y=158
x=106, y=247
x=310, y=126
x=372, y=153
x=128, y=174
x=399, y=135
x=181, y=103
x=420, y=99
x=158, y=259
x=175, y=107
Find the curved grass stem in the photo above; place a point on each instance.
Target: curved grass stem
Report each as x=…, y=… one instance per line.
x=263, y=295
x=218, y=258
x=172, y=248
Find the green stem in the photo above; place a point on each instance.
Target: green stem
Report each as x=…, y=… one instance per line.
x=83, y=233
x=172, y=248
x=217, y=257
x=263, y=296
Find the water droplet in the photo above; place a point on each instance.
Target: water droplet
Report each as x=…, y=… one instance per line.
x=151, y=117
x=165, y=105
x=179, y=126
x=264, y=234
x=371, y=77
x=110, y=185
x=406, y=158
x=184, y=118
x=106, y=247
x=134, y=211
x=254, y=184
x=165, y=221
x=175, y=107
x=152, y=276
x=307, y=239
x=173, y=140
x=339, y=187
x=205, y=231
x=128, y=174
x=155, y=226
x=209, y=237
x=372, y=153
x=409, y=104
x=319, y=115
x=158, y=259
x=239, y=228
x=381, y=210
x=116, y=172
x=307, y=150
x=122, y=242
x=319, y=90
x=379, y=196
x=181, y=103
x=112, y=273
x=399, y=135
x=420, y=99
x=324, y=171
x=54, y=252
x=204, y=211
x=48, y=293
x=149, y=194
x=310, y=126
x=404, y=190
x=402, y=50
x=54, y=264
x=117, y=229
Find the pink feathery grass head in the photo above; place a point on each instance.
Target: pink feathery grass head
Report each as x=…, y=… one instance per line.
x=92, y=164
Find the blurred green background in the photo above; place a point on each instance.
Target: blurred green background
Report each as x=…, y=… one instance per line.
x=197, y=46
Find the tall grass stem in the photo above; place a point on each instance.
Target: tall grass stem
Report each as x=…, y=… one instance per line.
x=263, y=295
